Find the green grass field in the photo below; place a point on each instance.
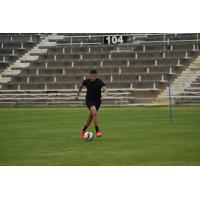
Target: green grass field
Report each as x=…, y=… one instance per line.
x=133, y=136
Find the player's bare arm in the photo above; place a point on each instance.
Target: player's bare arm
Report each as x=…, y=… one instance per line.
x=79, y=91
x=104, y=93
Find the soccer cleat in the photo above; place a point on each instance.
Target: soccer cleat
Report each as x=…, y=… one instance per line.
x=82, y=134
x=99, y=134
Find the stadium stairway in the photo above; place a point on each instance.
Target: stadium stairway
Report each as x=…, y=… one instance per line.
x=186, y=88
x=24, y=61
x=13, y=46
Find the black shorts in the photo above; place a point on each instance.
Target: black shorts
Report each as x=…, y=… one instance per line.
x=91, y=103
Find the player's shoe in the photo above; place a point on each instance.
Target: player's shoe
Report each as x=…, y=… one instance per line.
x=99, y=134
x=82, y=134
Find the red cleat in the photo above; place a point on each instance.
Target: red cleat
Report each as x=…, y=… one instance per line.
x=99, y=134
x=82, y=134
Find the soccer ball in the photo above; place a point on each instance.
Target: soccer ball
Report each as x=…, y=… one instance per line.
x=88, y=136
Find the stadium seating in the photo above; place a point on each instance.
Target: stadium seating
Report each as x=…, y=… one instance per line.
x=12, y=46
x=138, y=71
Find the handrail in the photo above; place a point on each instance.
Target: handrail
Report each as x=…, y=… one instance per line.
x=125, y=34
x=128, y=44
x=109, y=97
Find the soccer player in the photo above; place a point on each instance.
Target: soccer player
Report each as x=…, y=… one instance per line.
x=93, y=100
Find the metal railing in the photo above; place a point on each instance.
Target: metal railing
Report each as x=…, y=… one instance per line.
x=138, y=38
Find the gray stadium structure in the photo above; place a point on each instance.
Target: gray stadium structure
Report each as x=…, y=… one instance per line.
x=47, y=69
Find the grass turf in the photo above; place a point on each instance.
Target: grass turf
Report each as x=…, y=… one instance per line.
x=133, y=136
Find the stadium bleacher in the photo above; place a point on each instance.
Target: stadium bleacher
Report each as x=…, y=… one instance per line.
x=134, y=73
x=12, y=46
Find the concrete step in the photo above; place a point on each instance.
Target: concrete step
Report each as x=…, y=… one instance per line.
x=11, y=73
x=185, y=80
x=28, y=58
x=5, y=79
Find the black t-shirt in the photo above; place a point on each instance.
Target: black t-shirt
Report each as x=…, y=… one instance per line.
x=93, y=89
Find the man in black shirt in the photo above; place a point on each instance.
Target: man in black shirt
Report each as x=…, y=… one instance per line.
x=93, y=99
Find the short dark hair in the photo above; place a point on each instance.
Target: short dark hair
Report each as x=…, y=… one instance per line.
x=93, y=71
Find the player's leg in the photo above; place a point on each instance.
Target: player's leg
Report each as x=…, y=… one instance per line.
x=93, y=110
x=88, y=122
x=95, y=120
